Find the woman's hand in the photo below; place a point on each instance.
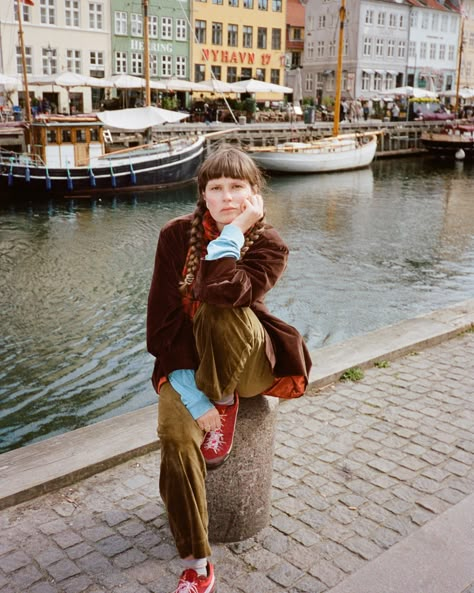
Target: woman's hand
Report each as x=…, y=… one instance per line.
x=251, y=212
x=209, y=421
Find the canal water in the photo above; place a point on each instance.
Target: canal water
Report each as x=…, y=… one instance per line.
x=368, y=249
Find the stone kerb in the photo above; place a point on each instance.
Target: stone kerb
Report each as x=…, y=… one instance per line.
x=239, y=491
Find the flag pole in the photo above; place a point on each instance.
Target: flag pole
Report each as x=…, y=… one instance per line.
x=25, y=79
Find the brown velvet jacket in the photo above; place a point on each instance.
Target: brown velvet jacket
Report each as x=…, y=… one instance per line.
x=224, y=282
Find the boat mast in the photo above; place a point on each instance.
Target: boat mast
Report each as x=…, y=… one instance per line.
x=146, y=54
x=340, y=47
x=25, y=78
x=458, y=78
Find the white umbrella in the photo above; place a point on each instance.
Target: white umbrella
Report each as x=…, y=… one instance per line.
x=410, y=91
x=68, y=80
x=259, y=86
x=139, y=118
x=464, y=93
x=218, y=86
x=179, y=84
x=126, y=81
x=9, y=81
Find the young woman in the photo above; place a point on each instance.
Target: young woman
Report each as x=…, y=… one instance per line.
x=214, y=341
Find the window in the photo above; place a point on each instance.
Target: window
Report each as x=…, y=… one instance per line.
x=153, y=26
x=309, y=48
x=402, y=49
x=234, y=3
x=248, y=4
x=247, y=40
x=297, y=34
x=71, y=13
x=308, y=82
x=442, y=51
x=263, y=4
x=217, y=1
x=275, y=76
x=181, y=66
x=332, y=49
x=96, y=60
x=413, y=19
x=199, y=72
x=423, y=50
x=379, y=48
x=389, y=81
x=260, y=74
x=401, y=21
x=232, y=35
x=166, y=66
x=381, y=19
x=392, y=20
x=412, y=49
x=451, y=52
x=377, y=81
x=246, y=73
x=365, y=81
x=25, y=15
x=120, y=23
x=154, y=65
x=181, y=29
x=262, y=38
x=320, y=49
x=217, y=72
x=166, y=29
x=454, y=24
x=367, y=50
x=391, y=48
x=49, y=60
x=231, y=74
x=369, y=17
x=47, y=12
x=425, y=20
x=322, y=21
x=277, y=5
x=136, y=63
x=96, y=18
x=200, y=31
x=276, y=38
x=434, y=21
x=444, y=23
x=136, y=25
x=120, y=62
x=432, y=51
x=217, y=33
x=73, y=60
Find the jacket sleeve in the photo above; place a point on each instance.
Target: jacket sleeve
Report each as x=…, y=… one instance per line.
x=228, y=282
x=166, y=320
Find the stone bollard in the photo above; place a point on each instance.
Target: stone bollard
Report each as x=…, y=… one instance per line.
x=239, y=492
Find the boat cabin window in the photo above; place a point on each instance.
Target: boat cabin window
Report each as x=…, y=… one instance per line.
x=66, y=136
x=51, y=137
x=94, y=134
x=80, y=135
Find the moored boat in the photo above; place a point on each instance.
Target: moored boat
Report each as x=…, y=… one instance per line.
x=71, y=156
x=455, y=140
x=340, y=153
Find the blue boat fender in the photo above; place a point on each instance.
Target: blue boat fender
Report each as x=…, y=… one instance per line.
x=113, y=179
x=47, y=181
x=70, y=183
x=27, y=175
x=92, y=179
x=133, y=175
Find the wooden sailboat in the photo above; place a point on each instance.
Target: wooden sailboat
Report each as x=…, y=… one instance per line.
x=73, y=156
x=335, y=153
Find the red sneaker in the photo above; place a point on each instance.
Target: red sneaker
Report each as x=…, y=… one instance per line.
x=191, y=582
x=217, y=444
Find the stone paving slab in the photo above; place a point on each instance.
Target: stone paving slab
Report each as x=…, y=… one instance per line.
x=360, y=468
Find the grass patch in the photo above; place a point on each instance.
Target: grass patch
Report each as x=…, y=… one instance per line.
x=382, y=364
x=353, y=374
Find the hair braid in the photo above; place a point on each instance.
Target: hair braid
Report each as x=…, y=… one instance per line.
x=253, y=234
x=195, y=247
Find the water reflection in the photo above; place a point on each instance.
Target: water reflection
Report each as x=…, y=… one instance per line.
x=368, y=248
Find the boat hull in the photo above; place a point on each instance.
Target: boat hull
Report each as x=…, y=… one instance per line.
x=145, y=169
x=448, y=145
x=322, y=157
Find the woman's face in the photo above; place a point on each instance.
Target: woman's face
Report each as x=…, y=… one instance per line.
x=225, y=198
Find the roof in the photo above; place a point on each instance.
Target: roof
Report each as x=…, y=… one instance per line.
x=295, y=12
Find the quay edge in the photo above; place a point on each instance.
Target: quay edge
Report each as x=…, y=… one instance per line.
x=62, y=460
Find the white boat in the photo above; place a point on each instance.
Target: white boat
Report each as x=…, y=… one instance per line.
x=340, y=153
x=334, y=153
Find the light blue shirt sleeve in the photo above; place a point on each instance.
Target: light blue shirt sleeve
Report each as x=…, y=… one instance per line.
x=196, y=401
x=228, y=243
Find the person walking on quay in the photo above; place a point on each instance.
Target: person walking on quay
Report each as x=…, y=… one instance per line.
x=214, y=341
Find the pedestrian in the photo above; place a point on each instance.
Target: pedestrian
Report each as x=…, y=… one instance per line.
x=214, y=341
x=395, y=112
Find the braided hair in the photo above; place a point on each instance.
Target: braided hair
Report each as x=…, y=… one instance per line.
x=226, y=161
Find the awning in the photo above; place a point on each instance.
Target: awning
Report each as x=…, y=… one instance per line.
x=367, y=70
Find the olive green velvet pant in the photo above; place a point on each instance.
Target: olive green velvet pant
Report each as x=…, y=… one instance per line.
x=231, y=346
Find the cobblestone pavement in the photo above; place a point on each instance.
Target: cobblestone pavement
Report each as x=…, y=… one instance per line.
x=358, y=466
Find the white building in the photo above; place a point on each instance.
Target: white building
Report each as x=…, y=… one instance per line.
x=387, y=43
x=70, y=35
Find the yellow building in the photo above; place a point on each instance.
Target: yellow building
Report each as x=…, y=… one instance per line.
x=239, y=39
